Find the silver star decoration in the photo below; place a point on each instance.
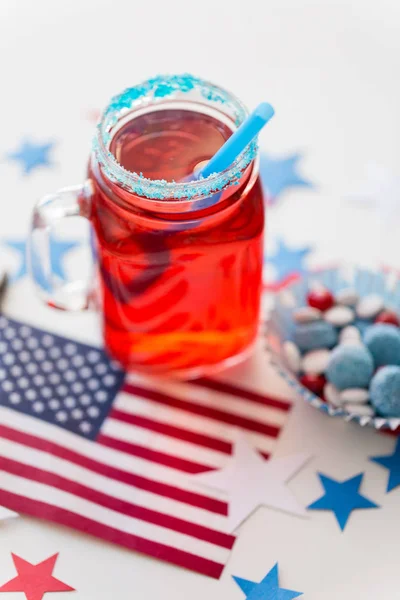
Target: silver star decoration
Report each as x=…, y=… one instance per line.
x=251, y=481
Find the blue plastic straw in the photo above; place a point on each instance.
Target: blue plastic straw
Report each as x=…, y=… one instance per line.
x=238, y=141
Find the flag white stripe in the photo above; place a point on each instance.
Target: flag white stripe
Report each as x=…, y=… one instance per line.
x=57, y=466
x=233, y=405
x=61, y=499
x=163, y=443
x=173, y=416
x=101, y=454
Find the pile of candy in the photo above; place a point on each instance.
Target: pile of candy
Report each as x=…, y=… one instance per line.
x=346, y=350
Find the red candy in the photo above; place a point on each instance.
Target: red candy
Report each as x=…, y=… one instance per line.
x=321, y=299
x=314, y=383
x=388, y=316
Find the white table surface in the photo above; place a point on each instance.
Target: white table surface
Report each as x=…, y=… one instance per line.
x=331, y=70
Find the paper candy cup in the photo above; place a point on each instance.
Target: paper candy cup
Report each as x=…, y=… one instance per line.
x=280, y=326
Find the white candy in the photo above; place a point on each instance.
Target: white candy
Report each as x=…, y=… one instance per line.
x=347, y=297
x=369, y=306
x=351, y=342
x=354, y=396
x=339, y=316
x=315, y=362
x=332, y=395
x=307, y=314
x=361, y=410
x=349, y=333
x=293, y=356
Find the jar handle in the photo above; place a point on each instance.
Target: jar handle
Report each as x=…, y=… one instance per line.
x=72, y=201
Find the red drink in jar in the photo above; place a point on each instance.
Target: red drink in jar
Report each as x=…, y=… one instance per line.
x=179, y=266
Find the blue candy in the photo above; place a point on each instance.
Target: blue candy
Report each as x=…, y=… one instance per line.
x=385, y=391
x=350, y=367
x=362, y=325
x=383, y=341
x=314, y=335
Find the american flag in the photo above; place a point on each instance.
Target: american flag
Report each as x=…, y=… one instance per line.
x=84, y=446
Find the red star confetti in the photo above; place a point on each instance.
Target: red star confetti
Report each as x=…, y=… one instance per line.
x=35, y=580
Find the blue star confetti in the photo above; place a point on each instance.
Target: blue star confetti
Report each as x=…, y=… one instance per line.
x=58, y=249
x=342, y=497
x=280, y=174
x=287, y=261
x=31, y=155
x=267, y=589
x=391, y=462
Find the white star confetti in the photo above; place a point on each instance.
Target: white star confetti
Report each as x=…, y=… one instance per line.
x=250, y=481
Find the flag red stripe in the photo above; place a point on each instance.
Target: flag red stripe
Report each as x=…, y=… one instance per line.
x=179, y=433
x=162, y=489
x=240, y=392
x=204, y=411
x=168, y=460
x=54, y=514
x=116, y=504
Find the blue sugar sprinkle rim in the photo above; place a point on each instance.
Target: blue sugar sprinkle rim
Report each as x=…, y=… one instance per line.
x=154, y=91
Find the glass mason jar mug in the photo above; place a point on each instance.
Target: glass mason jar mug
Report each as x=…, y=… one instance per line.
x=178, y=262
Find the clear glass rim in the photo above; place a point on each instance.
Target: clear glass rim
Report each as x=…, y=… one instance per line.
x=155, y=91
